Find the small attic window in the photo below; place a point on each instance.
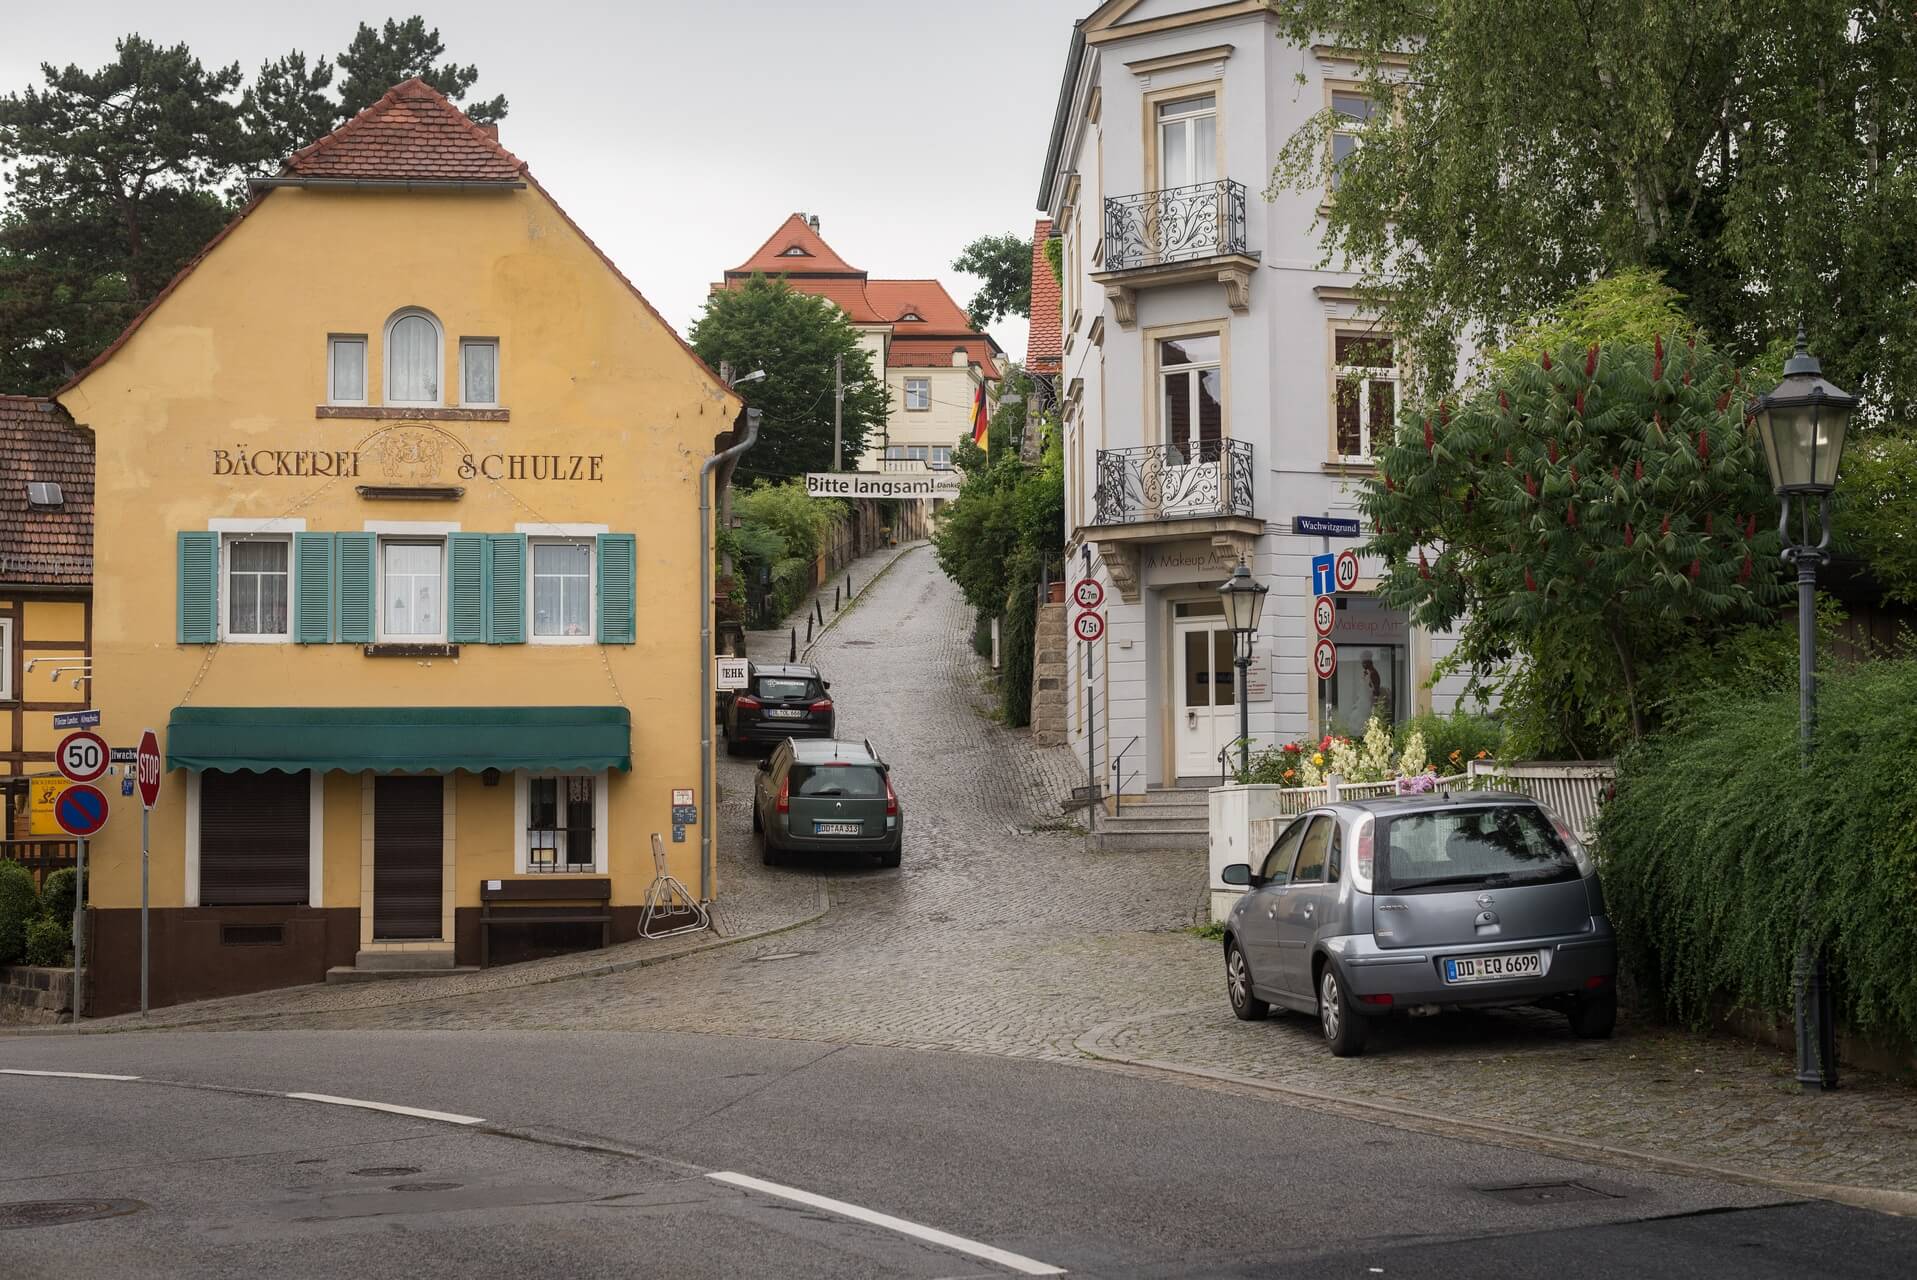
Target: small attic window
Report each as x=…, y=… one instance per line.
x=911, y=315
x=44, y=493
x=794, y=251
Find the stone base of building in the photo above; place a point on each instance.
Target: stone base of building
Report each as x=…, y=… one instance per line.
x=31, y=995
x=1050, y=675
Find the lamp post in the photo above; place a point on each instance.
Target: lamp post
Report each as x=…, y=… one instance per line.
x=1244, y=600
x=1801, y=423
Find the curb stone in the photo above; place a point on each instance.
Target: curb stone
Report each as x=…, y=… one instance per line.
x=1098, y=1044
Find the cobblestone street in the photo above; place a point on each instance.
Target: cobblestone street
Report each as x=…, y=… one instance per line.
x=1001, y=934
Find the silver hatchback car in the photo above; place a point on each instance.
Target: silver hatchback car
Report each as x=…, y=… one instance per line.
x=1420, y=904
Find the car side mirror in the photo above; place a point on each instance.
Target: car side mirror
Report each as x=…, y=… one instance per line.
x=1238, y=873
x=827, y=684
x=765, y=763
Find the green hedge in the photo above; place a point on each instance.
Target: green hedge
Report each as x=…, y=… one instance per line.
x=19, y=904
x=48, y=943
x=1722, y=853
x=56, y=895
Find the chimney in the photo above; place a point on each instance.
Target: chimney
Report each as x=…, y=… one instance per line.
x=812, y=220
x=491, y=131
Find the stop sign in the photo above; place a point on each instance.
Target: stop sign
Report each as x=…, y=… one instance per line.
x=148, y=767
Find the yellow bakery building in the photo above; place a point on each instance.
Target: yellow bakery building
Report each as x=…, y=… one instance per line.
x=397, y=545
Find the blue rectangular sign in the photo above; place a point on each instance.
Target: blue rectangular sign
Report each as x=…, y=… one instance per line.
x=1321, y=579
x=75, y=719
x=1325, y=526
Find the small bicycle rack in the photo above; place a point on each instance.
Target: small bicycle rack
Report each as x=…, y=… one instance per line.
x=667, y=897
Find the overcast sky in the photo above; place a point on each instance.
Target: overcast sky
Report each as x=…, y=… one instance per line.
x=680, y=134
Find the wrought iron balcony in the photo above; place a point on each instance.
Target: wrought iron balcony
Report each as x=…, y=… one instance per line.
x=1173, y=482
x=1180, y=224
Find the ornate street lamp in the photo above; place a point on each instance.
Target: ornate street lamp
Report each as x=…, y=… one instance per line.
x=1802, y=424
x=1244, y=600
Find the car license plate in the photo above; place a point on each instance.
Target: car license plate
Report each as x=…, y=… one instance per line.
x=778, y=713
x=1519, y=964
x=837, y=828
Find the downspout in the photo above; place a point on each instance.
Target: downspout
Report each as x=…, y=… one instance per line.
x=705, y=645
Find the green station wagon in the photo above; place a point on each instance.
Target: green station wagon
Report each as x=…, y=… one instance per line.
x=826, y=796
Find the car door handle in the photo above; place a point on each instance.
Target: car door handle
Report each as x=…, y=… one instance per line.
x=1271, y=913
x=1308, y=907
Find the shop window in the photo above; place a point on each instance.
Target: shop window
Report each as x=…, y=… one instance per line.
x=918, y=393
x=1370, y=683
x=255, y=838
x=346, y=368
x=258, y=588
x=1366, y=368
x=412, y=590
x=562, y=591
x=479, y=372
x=562, y=824
x=413, y=358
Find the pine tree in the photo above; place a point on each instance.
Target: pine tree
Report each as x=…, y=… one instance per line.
x=380, y=58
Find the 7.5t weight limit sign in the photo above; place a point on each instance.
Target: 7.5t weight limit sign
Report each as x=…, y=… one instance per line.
x=82, y=756
x=1088, y=626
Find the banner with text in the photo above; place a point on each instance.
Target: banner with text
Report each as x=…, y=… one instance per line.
x=873, y=484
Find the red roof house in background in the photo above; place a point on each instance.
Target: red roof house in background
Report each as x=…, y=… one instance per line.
x=1044, y=343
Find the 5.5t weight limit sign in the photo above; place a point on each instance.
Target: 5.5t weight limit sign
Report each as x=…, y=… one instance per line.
x=82, y=756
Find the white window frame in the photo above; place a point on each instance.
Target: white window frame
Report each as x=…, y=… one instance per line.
x=1335, y=89
x=439, y=356
x=225, y=591
x=1363, y=375
x=497, y=399
x=315, y=839
x=6, y=659
x=592, y=588
x=921, y=389
x=445, y=602
x=522, y=812
x=1185, y=120
x=1197, y=371
x=333, y=341
x=941, y=462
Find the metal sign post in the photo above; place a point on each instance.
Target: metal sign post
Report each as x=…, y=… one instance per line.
x=147, y=766
x=79, y=930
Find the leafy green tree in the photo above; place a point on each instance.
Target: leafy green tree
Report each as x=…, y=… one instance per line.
x=288, y=107
x=1757, y=153
x=767, y=324
x=1581, y=516
x=1877, y=508
x=1004, y=267
x=116, y=175
x=382, y=57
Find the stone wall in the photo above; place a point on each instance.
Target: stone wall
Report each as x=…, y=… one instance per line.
x=33, y=995
x=1049, y=676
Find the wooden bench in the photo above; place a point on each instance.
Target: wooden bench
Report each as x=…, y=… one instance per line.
x=543, y=890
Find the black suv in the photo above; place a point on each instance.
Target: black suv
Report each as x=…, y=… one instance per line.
x=779, y=702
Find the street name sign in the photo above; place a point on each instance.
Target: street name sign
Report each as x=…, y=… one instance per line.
x=1347, y=570
x=1325, y=526
x=1324, y=615
x=1324, y=659
x=1322, y=569
x=76, y=719
x=148, y=769
x=81, y=810
x=81, y=756
x=1088, y=593
x=123, y=755
x=1088, y=626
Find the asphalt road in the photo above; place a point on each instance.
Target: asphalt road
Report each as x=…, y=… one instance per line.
x=593, y=1153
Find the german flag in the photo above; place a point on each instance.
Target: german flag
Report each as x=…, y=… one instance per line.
x=981, y=419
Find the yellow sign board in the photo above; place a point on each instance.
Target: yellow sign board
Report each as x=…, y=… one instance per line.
x=43, y=795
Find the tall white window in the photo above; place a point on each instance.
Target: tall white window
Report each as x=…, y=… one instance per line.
x=346, y=368
x=6, y=659
x=412, y=591
x=413, y=358
x=562, y=590
x=918, y=393
x=1351, y=111
x=258, y=587
x=1191, y=395
x=1367, y=371
x=1187, y=141
x=479, y=372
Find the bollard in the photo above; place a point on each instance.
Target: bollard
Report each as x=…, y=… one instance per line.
x=818, y=607
x=848, y=586
x=808, y=628
x=835, y=599
x=794, y=655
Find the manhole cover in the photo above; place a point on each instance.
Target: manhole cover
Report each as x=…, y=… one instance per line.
x=858, y=644
x=780, y=955
x=1546, y=1193
x=51, y=1213
x=385, y=1171
x=424, y=1186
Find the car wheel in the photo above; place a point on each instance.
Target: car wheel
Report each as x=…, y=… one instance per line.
x=1247, y=1006
x=732, y=747
x=767, y=854
x=1343, y=1026
x=757, y=825
x=890, y=858
x=1594, y=1016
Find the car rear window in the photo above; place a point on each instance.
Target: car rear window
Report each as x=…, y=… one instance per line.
x=852, y=781
x=1470, y=847
x=785, y=687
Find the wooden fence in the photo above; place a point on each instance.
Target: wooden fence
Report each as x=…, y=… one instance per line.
x=41, y=857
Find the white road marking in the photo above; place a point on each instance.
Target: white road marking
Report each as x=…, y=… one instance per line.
x=959, y=1244
x=448, y=1117
x=64, y=1075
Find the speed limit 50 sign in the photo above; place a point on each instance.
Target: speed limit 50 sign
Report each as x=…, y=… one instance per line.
x=82, y=756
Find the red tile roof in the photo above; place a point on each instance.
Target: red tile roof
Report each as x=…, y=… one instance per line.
x=936, y=353
x=937, y=312
x=1044, y=342
x=413, y=133
x=42, y=546
x=795, y=232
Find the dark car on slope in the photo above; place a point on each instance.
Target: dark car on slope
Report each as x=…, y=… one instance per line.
x=827, y=797
x=786, y=700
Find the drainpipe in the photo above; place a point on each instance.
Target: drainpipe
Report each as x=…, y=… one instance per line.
x=705, y=645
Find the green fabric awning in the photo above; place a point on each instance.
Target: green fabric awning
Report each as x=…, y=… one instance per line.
x=399, y=739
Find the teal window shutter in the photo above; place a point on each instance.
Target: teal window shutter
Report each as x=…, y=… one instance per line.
x=199, y=620
x=313, y=588
x=467, y=588
x=506, y=607
x=618, y=588
x=358, y=582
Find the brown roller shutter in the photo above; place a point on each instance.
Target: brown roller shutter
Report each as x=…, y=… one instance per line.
x=253, y=838
x=408, y=856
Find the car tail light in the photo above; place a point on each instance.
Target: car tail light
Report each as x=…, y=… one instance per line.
x=1366, y=847
x=784, y=803
x=1383, y=1000
x=1595, y=981
x=822, y=705
x=747, y=702
x=891, y=799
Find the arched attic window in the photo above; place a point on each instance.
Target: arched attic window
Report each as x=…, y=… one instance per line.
x=911, y=315
x=415, y=357
x=794, y=251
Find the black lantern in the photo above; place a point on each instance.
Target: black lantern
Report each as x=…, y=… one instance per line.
x=1802, y=423
x=1244, y=599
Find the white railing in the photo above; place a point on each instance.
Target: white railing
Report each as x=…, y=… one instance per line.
x=1575, y=791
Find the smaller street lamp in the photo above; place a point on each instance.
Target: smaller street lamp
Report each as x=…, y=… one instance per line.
x=1244, y=599
x=1802, y=423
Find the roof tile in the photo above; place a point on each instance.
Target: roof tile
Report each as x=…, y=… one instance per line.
x=44, y=547
x=1044, y=344
x=414, y=133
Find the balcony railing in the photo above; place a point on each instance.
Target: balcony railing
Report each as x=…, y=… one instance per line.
x=1173, y=482
x=1176, y=225
x=911, y=466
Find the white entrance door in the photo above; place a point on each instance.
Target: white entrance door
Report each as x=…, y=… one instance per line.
x=1205, y=714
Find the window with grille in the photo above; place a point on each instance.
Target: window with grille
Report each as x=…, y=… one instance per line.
x=559, y=823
